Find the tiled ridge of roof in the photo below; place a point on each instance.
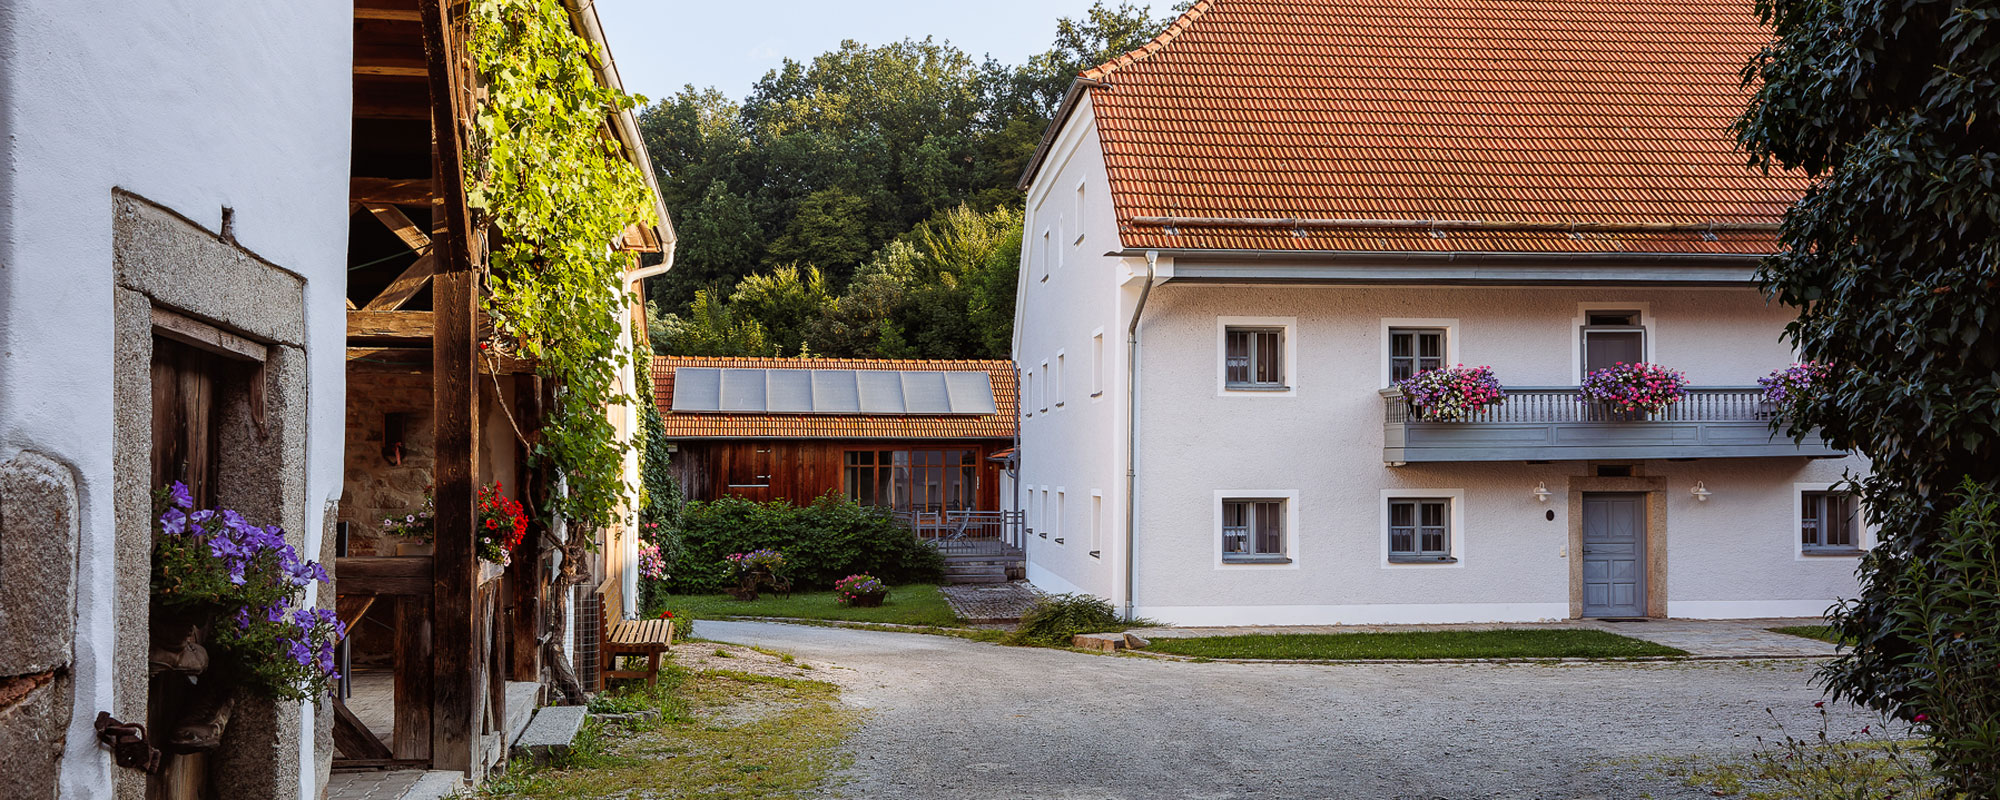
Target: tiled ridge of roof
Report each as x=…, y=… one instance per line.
x=999, y=425
x=1604, y=112
x=1104, y=70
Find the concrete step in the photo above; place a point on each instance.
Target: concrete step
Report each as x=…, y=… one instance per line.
x=549, y=735
x=522, y=698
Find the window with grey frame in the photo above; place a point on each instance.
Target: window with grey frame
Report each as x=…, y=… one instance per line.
x=1253, y=532
x=1611, y=338
x=1414, y=350
x=1829, y=522
x=1420, y=530
x=1254, y=358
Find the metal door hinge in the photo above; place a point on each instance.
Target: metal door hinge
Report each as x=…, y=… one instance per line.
x=128, y=744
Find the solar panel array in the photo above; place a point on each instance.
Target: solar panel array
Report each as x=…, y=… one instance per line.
x=830, y=391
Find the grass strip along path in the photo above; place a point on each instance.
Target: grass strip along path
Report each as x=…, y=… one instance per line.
x=1529, y=643
x=915, y=604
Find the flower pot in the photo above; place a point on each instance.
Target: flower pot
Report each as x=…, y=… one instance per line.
x=416, y=549
x=868, y=600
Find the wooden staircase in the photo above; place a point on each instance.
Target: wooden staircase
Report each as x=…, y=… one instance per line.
x=989, y=565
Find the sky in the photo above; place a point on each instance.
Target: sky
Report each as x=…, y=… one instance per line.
x=660, y=45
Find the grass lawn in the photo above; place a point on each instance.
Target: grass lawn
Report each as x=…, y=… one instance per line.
x=1824, y=633
x=915, y=604
x=720, y=735
x=1526, y=643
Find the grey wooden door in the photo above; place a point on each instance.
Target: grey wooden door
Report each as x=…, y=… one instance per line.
x=1614, y=555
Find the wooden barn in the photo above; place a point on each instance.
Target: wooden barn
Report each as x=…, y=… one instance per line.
x=918, y=437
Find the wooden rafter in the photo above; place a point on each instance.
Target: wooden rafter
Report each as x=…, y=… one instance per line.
x=400, y=224
x=390, y=66
x=400, y=191
x=399, y=10
x=413, y=278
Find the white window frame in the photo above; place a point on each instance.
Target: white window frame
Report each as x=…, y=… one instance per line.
x=1456, y=499
x=1450, y=327
x=1864, y=536
x=1081, y=186
x=1097, y=364
x=1096, y=522
x=1291, y=539
x=1056, y=527
x=1047, y=253
x=1042, y=390
x=1056, y=384
x=1027, y=393
x=1647, y=324
x=1289, y=340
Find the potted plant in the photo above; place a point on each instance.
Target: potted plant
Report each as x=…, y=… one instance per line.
x=1631, y=391
x=1785, y=389
x=418, y=529
x=757, y=569
x=1451, y=393
x=861, y=591
x=229, y=611
x=499, y=523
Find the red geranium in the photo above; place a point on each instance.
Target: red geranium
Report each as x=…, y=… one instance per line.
x=504, y=521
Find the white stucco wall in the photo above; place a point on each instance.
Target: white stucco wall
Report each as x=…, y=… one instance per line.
x=196, y=105
x=1077, y=447
x=1320, y=443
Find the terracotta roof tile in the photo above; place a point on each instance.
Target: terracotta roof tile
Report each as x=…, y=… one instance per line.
x=1606, y=112
x=999, y=425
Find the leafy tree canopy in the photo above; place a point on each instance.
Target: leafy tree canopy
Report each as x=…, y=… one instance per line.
x=1892, y=260
x=831, y=166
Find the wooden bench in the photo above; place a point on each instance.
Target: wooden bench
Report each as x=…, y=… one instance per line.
x=637, y=637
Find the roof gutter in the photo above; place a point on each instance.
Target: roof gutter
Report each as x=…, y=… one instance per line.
x=1132, y=428
x=623, y=123
x=1395, y=257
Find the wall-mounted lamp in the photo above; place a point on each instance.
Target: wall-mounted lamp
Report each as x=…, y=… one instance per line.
x=1541, y=491
x=1700, y=491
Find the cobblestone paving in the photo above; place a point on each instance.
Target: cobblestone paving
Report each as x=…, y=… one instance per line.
x=990, y=602
x=412, y=784
x=1735, y=638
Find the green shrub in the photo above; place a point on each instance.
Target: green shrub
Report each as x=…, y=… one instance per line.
x=823, y=542
x=1056, y=619
x=1946, y=607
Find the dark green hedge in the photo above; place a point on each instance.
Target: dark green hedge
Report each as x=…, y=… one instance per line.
x=823, y=542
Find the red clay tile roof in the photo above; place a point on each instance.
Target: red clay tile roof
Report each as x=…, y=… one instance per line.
x=1604, y=112
x=1000, y=425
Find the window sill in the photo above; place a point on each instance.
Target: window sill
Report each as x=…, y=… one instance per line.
x=1422, y=560
x=1254, y=559
x=1249, y=388
x=1832, y=552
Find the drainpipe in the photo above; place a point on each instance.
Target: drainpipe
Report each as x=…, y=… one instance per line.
x=1132, y=425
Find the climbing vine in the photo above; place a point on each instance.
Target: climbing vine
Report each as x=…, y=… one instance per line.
x=554, y=185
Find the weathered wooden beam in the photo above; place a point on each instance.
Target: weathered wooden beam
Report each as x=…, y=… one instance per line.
x=411, y=737
x=364, y=575
x=194, y=332
x=400, y=191
x=405, y=286
x=390, y=67
x=398, y=223
x=387, y=9
x=456, y=665
x=388, y=324
x=352, y=737
x=418, y=360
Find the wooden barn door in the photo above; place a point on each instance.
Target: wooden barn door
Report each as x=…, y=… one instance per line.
x=186, y=406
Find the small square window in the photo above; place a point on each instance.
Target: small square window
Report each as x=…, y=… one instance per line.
x=1414, y=350
x=1420, y=530
x=1254, y=358
x=1829, y=523
x=1253, y=532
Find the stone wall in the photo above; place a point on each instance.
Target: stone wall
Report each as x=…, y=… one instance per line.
x=376, y=486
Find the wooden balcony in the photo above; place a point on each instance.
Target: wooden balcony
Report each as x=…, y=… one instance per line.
x=1554, y=423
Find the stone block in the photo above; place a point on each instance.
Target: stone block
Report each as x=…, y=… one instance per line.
x=549, y=735
x=1106, y=642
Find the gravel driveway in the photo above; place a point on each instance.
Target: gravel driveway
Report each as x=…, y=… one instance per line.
x=950, y=718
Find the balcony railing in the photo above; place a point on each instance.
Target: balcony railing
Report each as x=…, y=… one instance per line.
x=1550, y=423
